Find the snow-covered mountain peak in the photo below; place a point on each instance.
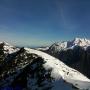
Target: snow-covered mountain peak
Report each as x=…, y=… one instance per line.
x=81, y=42
x=5, y=44
x=59, y=45
x=8, y=48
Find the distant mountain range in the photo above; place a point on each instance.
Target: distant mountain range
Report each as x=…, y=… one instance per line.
x=39, y=69
x=82, y=42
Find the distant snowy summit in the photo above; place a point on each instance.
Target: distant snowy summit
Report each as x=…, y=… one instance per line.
x=7, y=48
x=82, y=42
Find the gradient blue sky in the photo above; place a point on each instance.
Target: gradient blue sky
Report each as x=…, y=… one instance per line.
x=42, y=22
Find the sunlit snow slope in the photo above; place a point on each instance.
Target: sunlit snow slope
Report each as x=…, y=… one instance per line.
x=60, y=70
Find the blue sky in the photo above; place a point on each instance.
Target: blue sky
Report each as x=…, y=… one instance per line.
x=42, y=22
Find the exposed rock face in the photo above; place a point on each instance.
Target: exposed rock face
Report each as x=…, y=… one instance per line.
x=13, y=69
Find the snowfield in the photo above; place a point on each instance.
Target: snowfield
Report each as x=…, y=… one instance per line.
x=61, y=72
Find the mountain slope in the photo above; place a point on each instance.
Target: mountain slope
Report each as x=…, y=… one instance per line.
x=75, y=53
x=60, y=70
